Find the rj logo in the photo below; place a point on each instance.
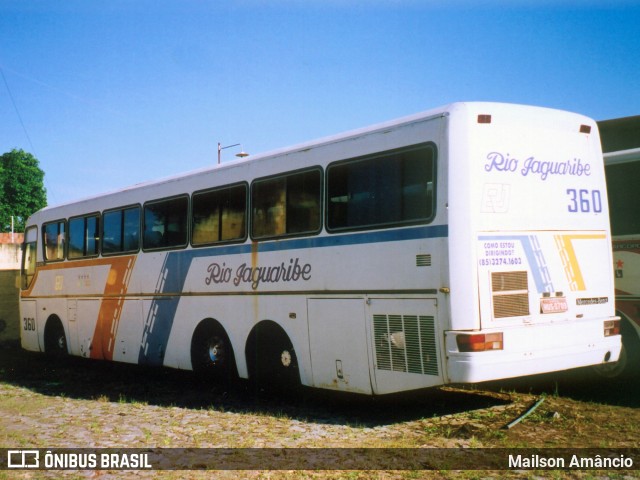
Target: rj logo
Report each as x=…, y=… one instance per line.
x=495, y=198
x=23, y=459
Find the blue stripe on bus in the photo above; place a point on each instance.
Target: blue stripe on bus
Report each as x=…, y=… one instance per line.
x=173, y=275
x=396, y=235
x=159, y=320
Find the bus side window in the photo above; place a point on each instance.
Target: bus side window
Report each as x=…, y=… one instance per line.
x=121, y=230
x=219, y=215
x=131, y=229
x=54, y=240
x=165, y=223
x=286, y=205
x=83, y=236
x=391, y=189
x=268, y=203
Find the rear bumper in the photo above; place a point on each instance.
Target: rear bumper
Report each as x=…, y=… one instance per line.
x=534, y=349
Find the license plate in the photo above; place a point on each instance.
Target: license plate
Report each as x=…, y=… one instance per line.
x=553, y=305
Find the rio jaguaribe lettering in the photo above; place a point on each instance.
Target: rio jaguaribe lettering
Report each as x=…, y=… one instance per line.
x=504, y=163
x=292, y=271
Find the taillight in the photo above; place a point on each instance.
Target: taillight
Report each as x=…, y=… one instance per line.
x=479, y=342
x=611, y=327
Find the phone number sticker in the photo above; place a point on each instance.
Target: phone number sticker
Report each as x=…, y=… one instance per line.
x=498, y=253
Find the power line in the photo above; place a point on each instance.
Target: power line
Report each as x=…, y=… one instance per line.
x=15, y=107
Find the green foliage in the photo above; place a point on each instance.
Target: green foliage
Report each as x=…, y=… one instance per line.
x=22, y=189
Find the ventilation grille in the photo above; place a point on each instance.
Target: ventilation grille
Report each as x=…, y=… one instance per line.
x=510, y=294
x=423, y=260
x=405, y=343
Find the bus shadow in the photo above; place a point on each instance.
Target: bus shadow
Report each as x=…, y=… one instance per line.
x=583, y=385
x=79, y=378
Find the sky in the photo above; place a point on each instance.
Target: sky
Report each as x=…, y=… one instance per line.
x=109, y=93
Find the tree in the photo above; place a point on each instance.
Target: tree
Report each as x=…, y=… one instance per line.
x=22, y=189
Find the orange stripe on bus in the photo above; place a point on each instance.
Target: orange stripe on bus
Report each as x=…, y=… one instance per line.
x=104, y=336
x=115, y=289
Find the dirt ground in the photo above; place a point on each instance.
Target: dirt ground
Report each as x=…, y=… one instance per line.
x=70, y=403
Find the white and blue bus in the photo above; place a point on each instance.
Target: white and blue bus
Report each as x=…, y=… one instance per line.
x=466, y=243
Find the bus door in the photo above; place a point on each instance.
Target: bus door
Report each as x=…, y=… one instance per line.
x=406, y=344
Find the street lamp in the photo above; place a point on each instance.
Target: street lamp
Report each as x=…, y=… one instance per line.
x=240, y=154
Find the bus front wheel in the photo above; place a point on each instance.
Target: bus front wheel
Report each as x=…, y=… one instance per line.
x=55, y=341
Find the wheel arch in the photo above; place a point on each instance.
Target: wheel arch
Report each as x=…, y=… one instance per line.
x=267, y=332
x=52, y=325
x=207, y=327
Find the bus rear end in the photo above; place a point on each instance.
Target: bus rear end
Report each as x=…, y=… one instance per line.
x=530, y=265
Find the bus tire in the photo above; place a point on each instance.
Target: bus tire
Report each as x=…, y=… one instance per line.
x=271, y=358
x=628, y=364
x=55, y=341
x=212, y=355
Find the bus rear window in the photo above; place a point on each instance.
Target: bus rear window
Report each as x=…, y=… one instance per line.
x=393, y=189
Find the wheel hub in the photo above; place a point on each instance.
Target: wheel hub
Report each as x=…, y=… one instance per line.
x=216, y=352
x=285, y=358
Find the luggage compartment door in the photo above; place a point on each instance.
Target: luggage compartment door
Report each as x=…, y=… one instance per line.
x=338, y=344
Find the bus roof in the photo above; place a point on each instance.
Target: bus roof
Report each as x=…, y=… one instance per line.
x=421, y=116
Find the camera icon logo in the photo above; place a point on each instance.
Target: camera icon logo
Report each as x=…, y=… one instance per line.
x=23, y=459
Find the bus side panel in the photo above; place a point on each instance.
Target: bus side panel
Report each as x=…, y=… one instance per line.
x=29, y=327
x=128, y=332
x=237, y=314
x=84, y=338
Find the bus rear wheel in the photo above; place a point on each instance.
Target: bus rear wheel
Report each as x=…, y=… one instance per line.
x=211, y=353
x=273, y=362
